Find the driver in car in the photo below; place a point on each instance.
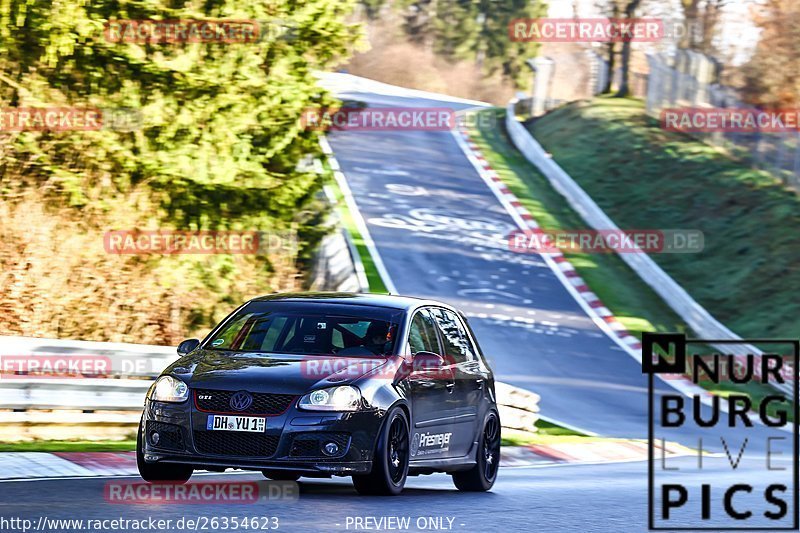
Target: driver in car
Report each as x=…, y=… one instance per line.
x=376, y=337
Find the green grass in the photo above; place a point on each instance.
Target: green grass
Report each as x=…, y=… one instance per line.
x=553, y=435
x=643, y=177
x=548, y=428
x=68, y=446
x=512, y=437
x=546, y=432
x=635, y=304
x=374, y=279
x=632, y=301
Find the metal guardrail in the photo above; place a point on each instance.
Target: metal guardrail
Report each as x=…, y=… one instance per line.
x=123, y=360
x=73, y=394
x=33, y=406
x=695, y=315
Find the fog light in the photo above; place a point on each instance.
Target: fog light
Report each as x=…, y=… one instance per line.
x=155, y=437
x=330, y=448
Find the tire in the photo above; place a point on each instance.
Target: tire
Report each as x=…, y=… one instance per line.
x=482, y=476
x=159, y=472
x=390, y=461
x=281, y=475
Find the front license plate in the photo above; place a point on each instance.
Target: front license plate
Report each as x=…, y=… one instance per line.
x=236, y=423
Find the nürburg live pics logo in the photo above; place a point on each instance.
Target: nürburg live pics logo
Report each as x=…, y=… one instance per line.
x=736, y=407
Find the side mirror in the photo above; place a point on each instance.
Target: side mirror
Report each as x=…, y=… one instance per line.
x=427, y=361
x=187, y=346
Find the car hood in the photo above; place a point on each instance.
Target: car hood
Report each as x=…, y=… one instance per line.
x=278, y=373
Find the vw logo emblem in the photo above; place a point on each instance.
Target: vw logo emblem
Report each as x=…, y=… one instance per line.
x=241, y=401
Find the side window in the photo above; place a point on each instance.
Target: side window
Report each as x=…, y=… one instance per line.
x=337, y=340
x=456, y=342
x=274, y=332
x=422, y=334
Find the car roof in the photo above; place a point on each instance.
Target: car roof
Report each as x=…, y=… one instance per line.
x=394, y=301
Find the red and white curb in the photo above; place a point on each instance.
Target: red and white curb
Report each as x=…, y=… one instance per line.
x=563, y=269
x=31, y=465
x=595, y=452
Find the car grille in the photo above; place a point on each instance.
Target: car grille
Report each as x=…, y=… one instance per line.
x=170, y=436
x=236, y=443
x=218, y=401
x=310, y=444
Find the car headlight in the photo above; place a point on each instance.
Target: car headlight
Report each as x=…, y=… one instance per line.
x=169, y=389
x=343, y=398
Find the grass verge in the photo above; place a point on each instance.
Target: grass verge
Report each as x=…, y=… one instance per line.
x=644, y=177
x=545, y=432
x=634, y=303
x=631, y=300
x=374, y=279
x=548, y=433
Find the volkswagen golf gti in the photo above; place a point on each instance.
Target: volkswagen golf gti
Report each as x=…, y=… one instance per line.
x=328, y=384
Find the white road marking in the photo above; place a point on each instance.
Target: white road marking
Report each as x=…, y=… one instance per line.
x=341, y=180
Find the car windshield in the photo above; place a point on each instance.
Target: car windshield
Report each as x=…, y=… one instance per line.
x=313, y=332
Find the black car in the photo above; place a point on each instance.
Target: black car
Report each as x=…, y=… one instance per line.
x=328, y=384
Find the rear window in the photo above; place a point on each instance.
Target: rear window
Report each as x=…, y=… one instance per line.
x=315, y=330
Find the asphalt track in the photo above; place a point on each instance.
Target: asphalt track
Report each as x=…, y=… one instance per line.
x=440, y=233
x=581, y=498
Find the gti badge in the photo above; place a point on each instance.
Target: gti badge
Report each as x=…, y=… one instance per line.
x=241, y=401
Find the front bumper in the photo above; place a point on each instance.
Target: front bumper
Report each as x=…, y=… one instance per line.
x=292, y=441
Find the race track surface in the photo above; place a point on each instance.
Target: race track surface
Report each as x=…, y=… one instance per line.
x=441, y=233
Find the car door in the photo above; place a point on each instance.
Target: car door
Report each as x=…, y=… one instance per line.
x=430, y=389
x=469, y=379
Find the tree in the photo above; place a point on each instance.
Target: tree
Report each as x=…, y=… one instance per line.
x=220, y=121
x=619, y=10
x=625, y=59
x=701, y=19
x=771, y=74
x=474, y=30
x=219, y=148
x=611, y=51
